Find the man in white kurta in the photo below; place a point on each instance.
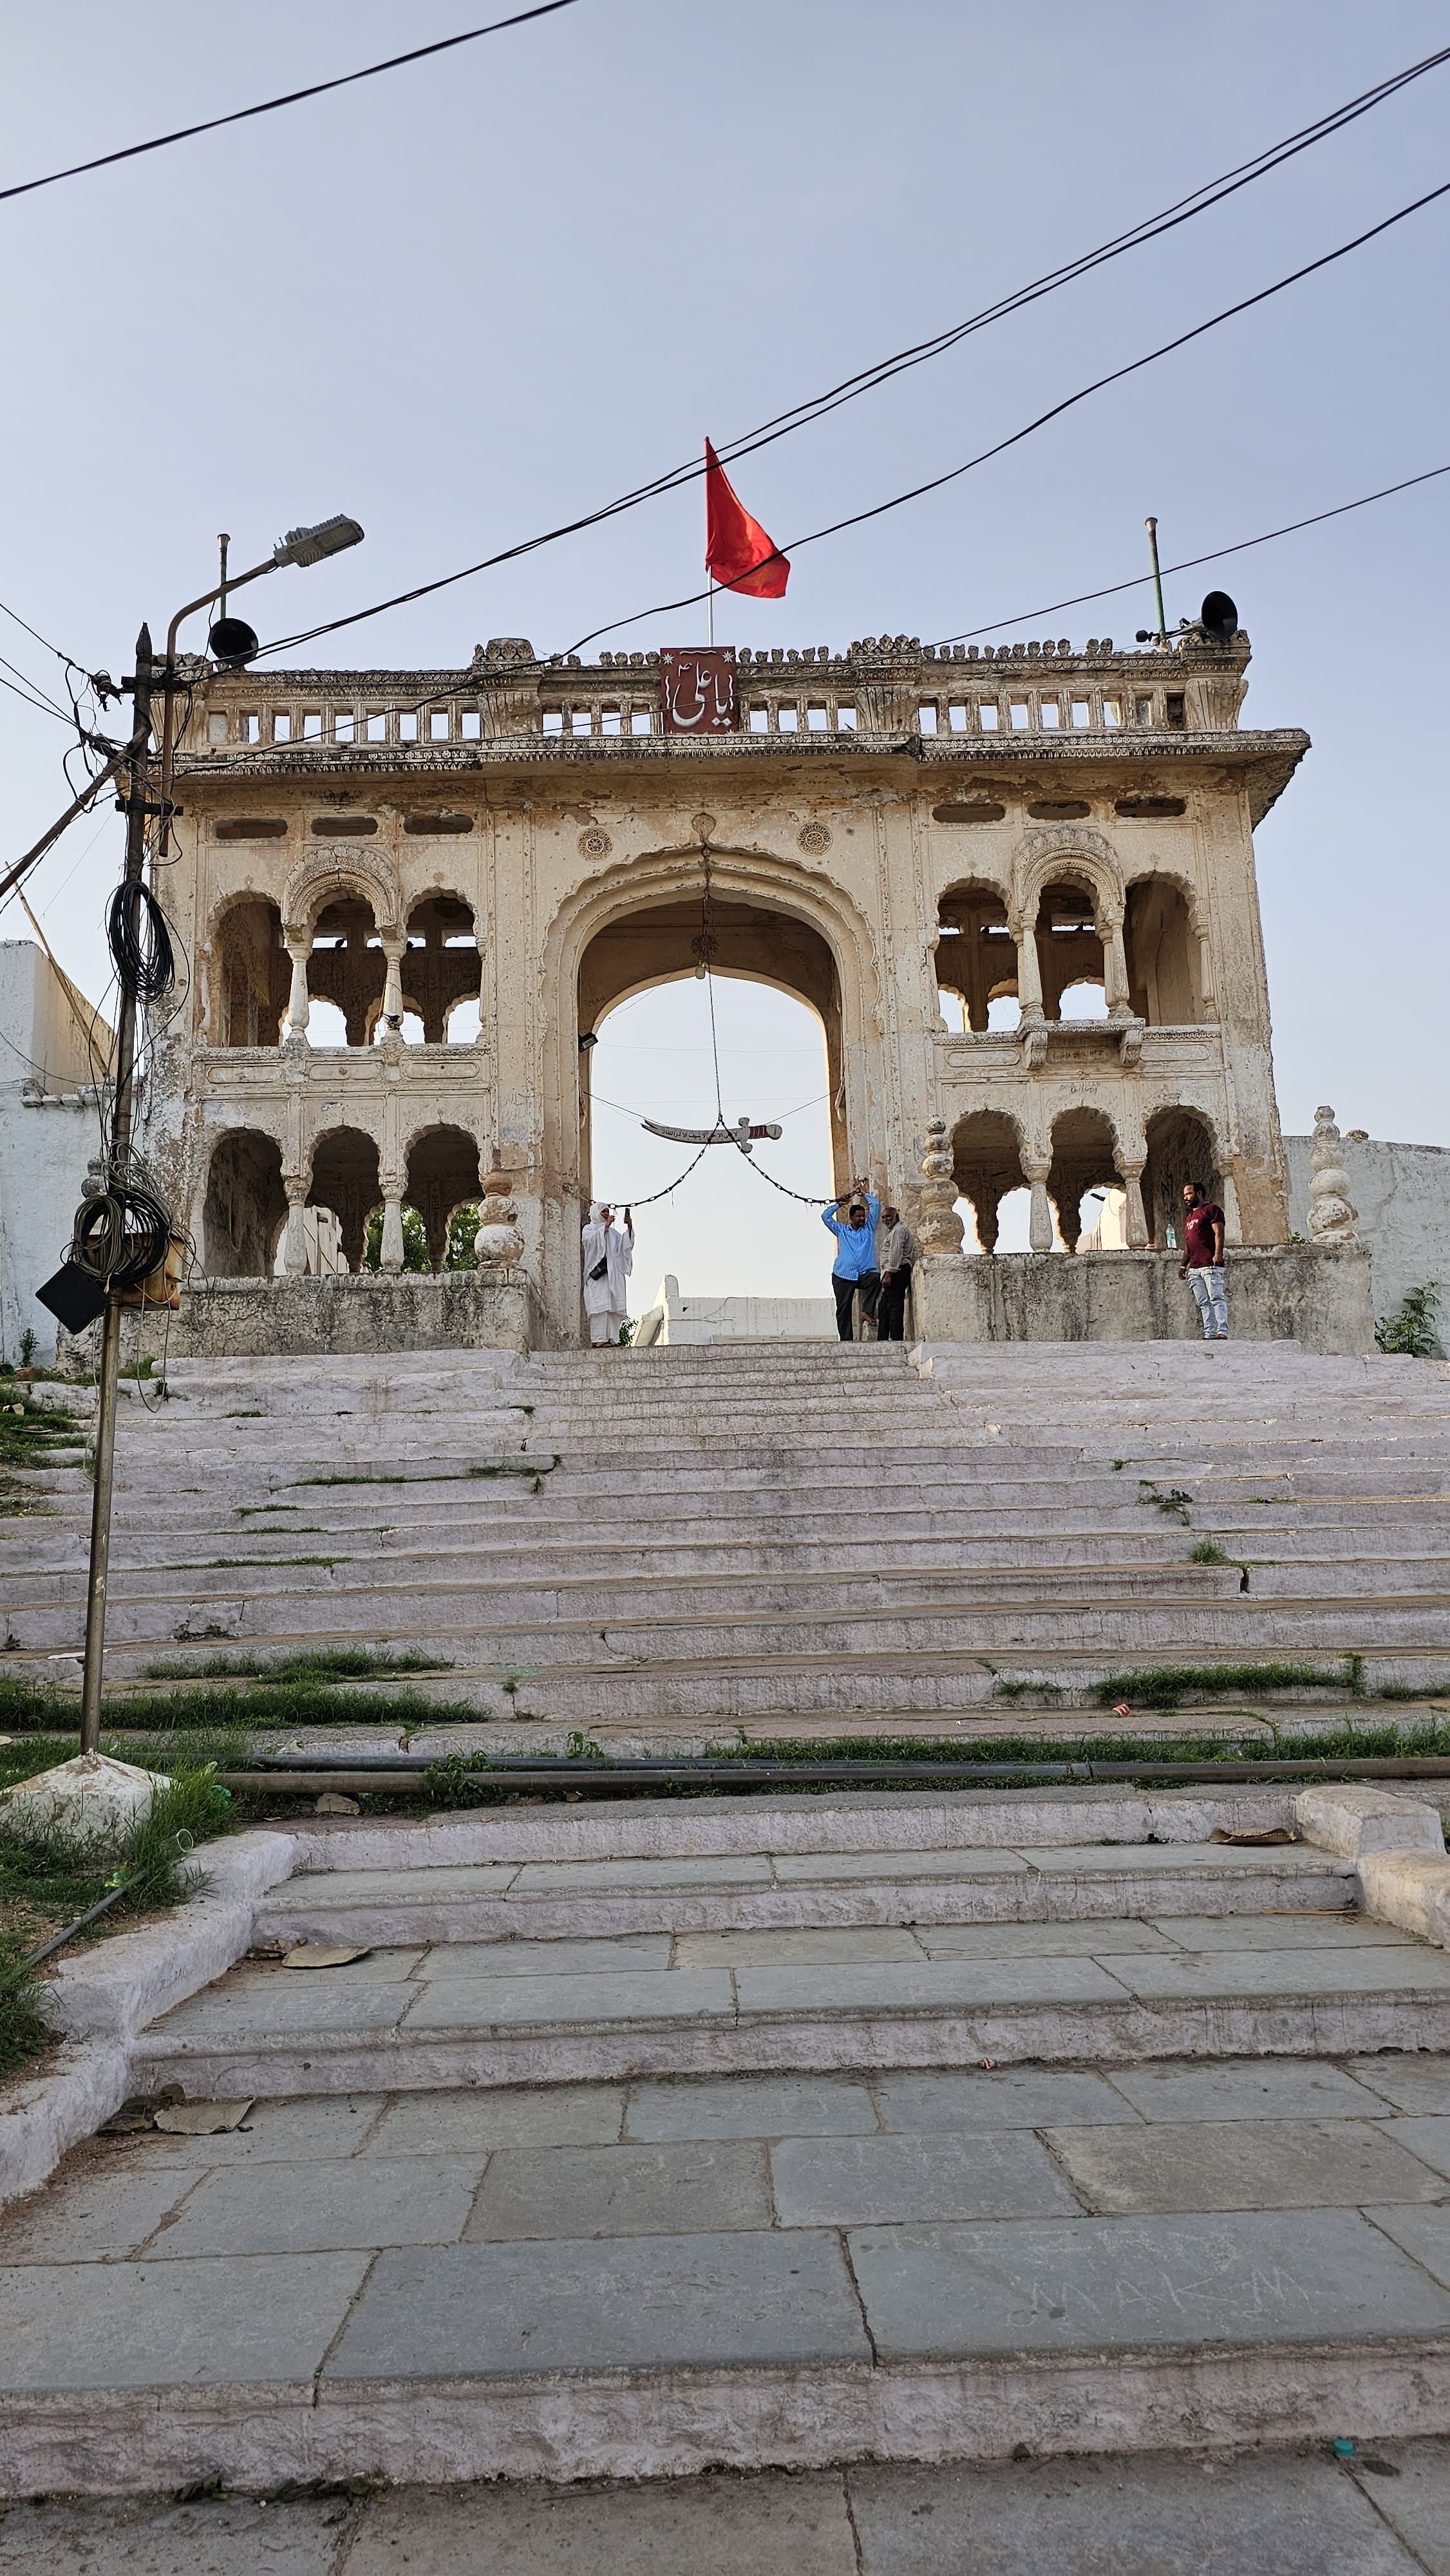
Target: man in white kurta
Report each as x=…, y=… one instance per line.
x=606, y=1298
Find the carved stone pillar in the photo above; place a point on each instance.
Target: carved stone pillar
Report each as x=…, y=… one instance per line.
x=1029, y=971
x=1206, y=1000
x=1039, y=1228
x=1115, y=969
x=1135, y=1224
x=390, y=1251
x=299, y=950
x=393, y=953
x=941, y=1229
x=294, y=1241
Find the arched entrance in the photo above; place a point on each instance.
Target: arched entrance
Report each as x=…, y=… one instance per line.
x=634, y=929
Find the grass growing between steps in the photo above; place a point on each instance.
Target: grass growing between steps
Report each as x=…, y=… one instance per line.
x=48, y=1878
x=1169, y=1685
x=328, y=1664
x=29, y=1437
x=249, y=1708
x=1328, y=1743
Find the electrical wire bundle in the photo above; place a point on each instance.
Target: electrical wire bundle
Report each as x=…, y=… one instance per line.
x=140, y=943
x=122, y=1233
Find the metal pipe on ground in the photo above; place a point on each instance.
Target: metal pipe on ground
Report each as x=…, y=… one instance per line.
x=312, y=1774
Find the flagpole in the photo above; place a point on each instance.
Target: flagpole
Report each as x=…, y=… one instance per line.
x=710, y=612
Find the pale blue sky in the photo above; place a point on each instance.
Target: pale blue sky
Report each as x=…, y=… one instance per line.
x=474, y=297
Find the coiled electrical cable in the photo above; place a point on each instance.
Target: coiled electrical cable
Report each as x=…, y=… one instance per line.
x=140, y=942
x=122, y=1235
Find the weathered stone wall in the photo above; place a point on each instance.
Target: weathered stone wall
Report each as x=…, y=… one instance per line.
x=260, y=1318
x=1313, y=1294
x=1402, y=1193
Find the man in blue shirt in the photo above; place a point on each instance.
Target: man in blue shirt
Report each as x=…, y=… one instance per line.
x=855, y=1264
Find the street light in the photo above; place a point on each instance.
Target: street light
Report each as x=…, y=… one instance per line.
x=299, y=546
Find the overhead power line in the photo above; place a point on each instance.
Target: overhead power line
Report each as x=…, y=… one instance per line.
x=817, y=406
x=289, y=98
x=1116, y=375
x=1191, y=563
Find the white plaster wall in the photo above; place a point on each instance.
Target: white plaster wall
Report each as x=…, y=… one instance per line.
x=677, y=1318
x=1402, y=1193
x=45, y=1145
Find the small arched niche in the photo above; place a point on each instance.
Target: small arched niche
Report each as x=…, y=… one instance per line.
x=442, y=969
x=976, y=955
x=987, y=1164
x=347, y=969
x=251, y=975
x=1180, y=1148
x=1158, y=941
x=245, y=1208
x=1083, y=1159
x=345, y=1178
x=443, y=1175
x=1069, y=944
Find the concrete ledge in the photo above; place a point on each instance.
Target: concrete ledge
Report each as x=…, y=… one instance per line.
x=1410, y=1890
x=1355, y=1822
x=1315, y=1294
x=673, y=2424
x=106, y=1995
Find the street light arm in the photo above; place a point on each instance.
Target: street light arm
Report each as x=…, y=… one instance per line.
x=168, y=719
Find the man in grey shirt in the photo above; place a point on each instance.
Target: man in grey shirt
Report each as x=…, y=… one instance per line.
x=898, y=1259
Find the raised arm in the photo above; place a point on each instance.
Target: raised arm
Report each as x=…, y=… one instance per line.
x=830, y=1218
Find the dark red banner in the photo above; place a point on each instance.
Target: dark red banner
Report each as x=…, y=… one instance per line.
x=698, y=689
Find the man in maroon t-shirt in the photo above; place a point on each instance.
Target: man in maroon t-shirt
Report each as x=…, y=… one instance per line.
x=1202, y=1263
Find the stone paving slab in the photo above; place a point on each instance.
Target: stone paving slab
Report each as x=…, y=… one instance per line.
x=715, y=2526
x=1329, y=1933
x=270, y=2007
x=476, y=2121
x=1419, y=2082
x=939, y=1985
x=1009, y=2097
x=1308, y=1973
x=790, y=1949
x=1173, y=1860
x=792, y=1867
x=657, y=2190
x=750, y=2106
x=1409, y=2482
x=653, y=2302
x=469, y=2003
x=146, y=2536
x=1261, y=2088
x=1262, y=2514
x=1120, y=2283
x=321, y=2207
x=862, y=2182
x=1425, y=2233
x=1428, y=2139
x=565, y=1877
x=265, y=2323
x=649, y=1951
x=1093, y=1940
x=92, y=2213
x=1242, y=2164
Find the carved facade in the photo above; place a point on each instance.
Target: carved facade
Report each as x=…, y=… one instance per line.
x=509, y=851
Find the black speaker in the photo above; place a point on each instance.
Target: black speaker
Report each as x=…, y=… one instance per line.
x=234, y=643
x=74, y=1296
x=1219, y=617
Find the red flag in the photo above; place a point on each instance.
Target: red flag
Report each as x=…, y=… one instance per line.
x=738, y=553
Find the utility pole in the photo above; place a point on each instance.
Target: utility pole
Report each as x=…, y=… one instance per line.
x=138, y=776
x=1152, y=527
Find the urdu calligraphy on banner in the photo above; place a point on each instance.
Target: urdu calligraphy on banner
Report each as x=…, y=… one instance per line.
x=698, y=688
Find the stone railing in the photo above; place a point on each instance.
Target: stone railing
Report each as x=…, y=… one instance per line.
x=883, y=685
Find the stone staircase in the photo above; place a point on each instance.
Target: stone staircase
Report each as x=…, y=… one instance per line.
x=677, y=1542
x=649, y=2138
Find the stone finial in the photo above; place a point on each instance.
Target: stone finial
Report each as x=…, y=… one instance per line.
x=941, y=1228
x=498, y=1245
x=1333, y=1217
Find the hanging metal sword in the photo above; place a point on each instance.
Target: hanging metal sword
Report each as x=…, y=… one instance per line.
x=742, y=1134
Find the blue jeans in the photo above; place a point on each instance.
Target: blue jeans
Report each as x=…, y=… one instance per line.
x=1207, y=1286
